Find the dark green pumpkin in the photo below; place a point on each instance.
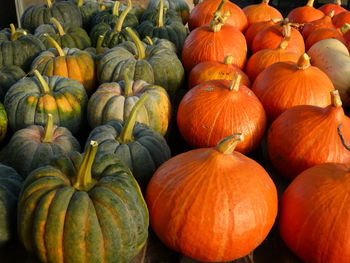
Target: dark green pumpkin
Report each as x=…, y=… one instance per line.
x=9, y=75
x=88, y=10
x=65, y=35
x=30, y=100
x=10, y=187
x=83, y=210
x=34, y=146
x=3, y=122
x=180, y=6
x=152, y=14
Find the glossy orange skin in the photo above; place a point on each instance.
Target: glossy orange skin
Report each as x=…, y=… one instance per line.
x=324, y=22
x=327, y=8
x=314, y=216
x=307, y=135
x=202, y=44
x=324, y=33
x=254, y=29
x=203, y=13
x=212, y=70
x=225, y=112
x=340, y=19
x=210, y=206
x=304, y=14
x=261, y=12
x=282, y=86
x=272, y=36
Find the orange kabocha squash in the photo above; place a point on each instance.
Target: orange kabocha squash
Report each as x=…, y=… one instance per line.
x=305, y=14
x=225, y=203
x=306, y=135
x=284, y=85
x=261, y=12
x=324, y=22
x=341, y=19
x=324, y=33
x=326, y=8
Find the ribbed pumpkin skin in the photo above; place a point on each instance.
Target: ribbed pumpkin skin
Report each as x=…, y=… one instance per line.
x=180, y=6
x=108, y=18
x=260, y=13
x=203, y=13
x=3, y=122
x=26, y=104
x=108, y=223
x=64, y=11
x=317, y=140
x=9, y=75
x=324, y=22
x=340, y=19
x=314, y=215
x=76, y=64
x=304, y=14
x=110, y=102
x=254, y=29
x=11, y=183
x=88, y=11
x=327, y=8
x=111, y=36
x=215, y=221
x=321, y=34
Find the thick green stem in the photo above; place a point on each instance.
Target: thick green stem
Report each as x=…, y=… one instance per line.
x=119, y=24
x=80, y=3
x=84, y=180
x=126, y=134
x=55, y=45
x=99, y=44
x=43, y=84
x=160, y=21
x=13, y=30
x=18, y=33
x=141, y=54
x=48, y=3
x=236, y=82
x=127, y=84
x=48, y=133
x=149, y=41
x=115, y=10
x=227, y=145
x=58, y=26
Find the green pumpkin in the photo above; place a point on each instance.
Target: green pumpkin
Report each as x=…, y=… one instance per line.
x=66, y=12
x=98, y=51
x=9, y=75
x=3, y=122
x=140, y=148
x=83, y=210
x=180, y=6
x=34, y=146
x=88, y=10
x=154, y=14
x=66, y=36
x=30, y=100
x=10, y=187
x=151, y=63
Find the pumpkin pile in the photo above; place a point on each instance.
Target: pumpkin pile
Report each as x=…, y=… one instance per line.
x=115, y=119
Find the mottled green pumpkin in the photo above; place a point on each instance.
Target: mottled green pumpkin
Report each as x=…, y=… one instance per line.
x=88, y=10
x=3, y=122
x=65, y=35
x=34, y=146
x=153, y=14
x=180, y=6
x=151, y=63
x=9, y=75
x=10, y=187
x=30, y=100
x=98, y=51
x=83, y=210
x=66, y=12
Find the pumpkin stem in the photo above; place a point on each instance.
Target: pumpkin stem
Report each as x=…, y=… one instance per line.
x=219, y=19
x=48, y=129
x=228, y=60
x=84, y=180
x=16, y=34
x=310, y=3
x=284, y=44
x=126, y=134
x=228, y=144
x=80, y=3
x=140, y=48
x=127, y=84
x=102, y=7
x=48, y=3
x=43, y=84
x=119, y=24
x=149, y=41
x=13, y=30
x=276, y=20
x=160, y=21
x=55, y=45
x=115, y=10
x=286, y=31
x=265, y=2
x=331, y=14
x=335, y=97
x=303, y=62
x=236, y=82
x=345, y=28
x=337, y=2
x=99, y=44
x=58, y=26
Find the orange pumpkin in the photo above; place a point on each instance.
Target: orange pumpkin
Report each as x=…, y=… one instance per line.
x=341, y=19
x=305, y=14
x=211, y=70
x=212, y=204
x=336, y=7
x=324, y=22
x=314, y=217
x=324, y=33
x=307, y=135
x=266, y=57
x=233, y=108
x=203, y=13
x=284, y=85
x=261, y=12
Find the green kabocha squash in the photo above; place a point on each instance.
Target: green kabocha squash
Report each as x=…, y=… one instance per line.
x=160, y=42
x=9, y=75
x=98, y=51
x=88, y=10
x=30, y=100
x=64, y=11
x=115, y=101
x=140, y=148
x=154, y=14
x=180, y=6
x=65, y=35
x=10, y=187
x=34, y=146
x=83, y=210
x=3, y=122
x=18, y=48
x=151, y=63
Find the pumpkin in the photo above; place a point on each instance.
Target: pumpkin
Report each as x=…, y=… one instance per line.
x=155, y=64
x=314, y=214
x=9, y=75
x=336, y=7
x=305, y=14
x=82, y=209
x=324, y=22
x=261, y=12
x=212, y=70
x=266, y=57
x=322, y=136
x=203, y=13
x=226, y=214
x=34, y=146
x=65, y=35
x=214, y=42
x=233, y=107
x=152, y=15
x=140, y=148
x=180, y=6
x=287, y=84
x=345, y=30
x=88, y=10
x=332, y=45
x=115, y=101
x=11, y=183
x=30, y=100
x=98, y=51
x=71, y=63
x=3, y=122
x=324, y=33
x=341, y=19
x=66, y=12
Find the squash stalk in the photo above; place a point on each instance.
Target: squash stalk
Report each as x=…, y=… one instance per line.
x=345, y=28
x=149, y=41
x=48, y=133
x=303, y=62
x=80, y=3
x=119, y=24
x=48, y=3
x=55, y=45
x=228, y=60
x=13, y=30
x=337, y=2
x=99, y=44
x=219, y=19
x=236, y=82
x=43, y=84
x=126, y=134
x=127, y=84
x=331, y=14
x=310, y=3
x=335, y=97
x=16, y=34
x=160, y=21
x=265, y=2
x=58, y=25
x=228, y=144
x=115, y=10
x=140, y=48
